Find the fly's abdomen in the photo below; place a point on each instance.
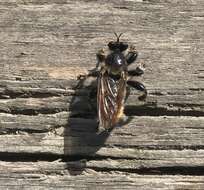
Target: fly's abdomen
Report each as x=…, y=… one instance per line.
x=111, y=95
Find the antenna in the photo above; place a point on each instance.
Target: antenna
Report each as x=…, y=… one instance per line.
x=118, y=36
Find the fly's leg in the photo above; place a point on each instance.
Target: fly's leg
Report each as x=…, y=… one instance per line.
x=136, y=72
x=100, y=56
x=140, y=87
x=130, y=58
x=131, y=55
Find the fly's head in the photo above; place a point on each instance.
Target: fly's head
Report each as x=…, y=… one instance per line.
x=117, y=45
x=115, y=61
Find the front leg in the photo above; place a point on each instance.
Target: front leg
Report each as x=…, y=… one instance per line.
x=130, y=58
x=140, y=87
x=100, y=56
x=131, y=55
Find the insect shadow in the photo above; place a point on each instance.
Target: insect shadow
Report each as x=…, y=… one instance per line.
x=82, y=136
x=82, y=139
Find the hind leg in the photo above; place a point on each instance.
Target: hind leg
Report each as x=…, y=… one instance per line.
x=140, y=87
x=136, y=72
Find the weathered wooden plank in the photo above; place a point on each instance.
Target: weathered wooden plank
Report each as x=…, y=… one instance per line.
x=80, y=137
x=169, y=54
x=103, y=165
x=54, y=95
x=56, y=175
x=155, y=105
x=45, y=45
x=170, y=46
x=151, y=160
x=47, y=122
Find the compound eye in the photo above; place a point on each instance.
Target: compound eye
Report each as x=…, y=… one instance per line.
x=123, y=46
x=112, y=45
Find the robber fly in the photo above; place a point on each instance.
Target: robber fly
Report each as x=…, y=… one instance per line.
x=112, y=79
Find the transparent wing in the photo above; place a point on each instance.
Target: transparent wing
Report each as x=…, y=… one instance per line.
x=110, y=99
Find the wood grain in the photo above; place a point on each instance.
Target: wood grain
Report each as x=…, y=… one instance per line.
x=52, y=175
x=48, y=130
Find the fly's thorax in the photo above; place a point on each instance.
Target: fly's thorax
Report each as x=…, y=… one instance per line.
x=115, y=62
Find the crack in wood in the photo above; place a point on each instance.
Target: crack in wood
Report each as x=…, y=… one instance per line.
x=79, y=163
x=198, y=171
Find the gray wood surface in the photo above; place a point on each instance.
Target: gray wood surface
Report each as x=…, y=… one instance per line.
x=54, y=175
x=48, y=133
